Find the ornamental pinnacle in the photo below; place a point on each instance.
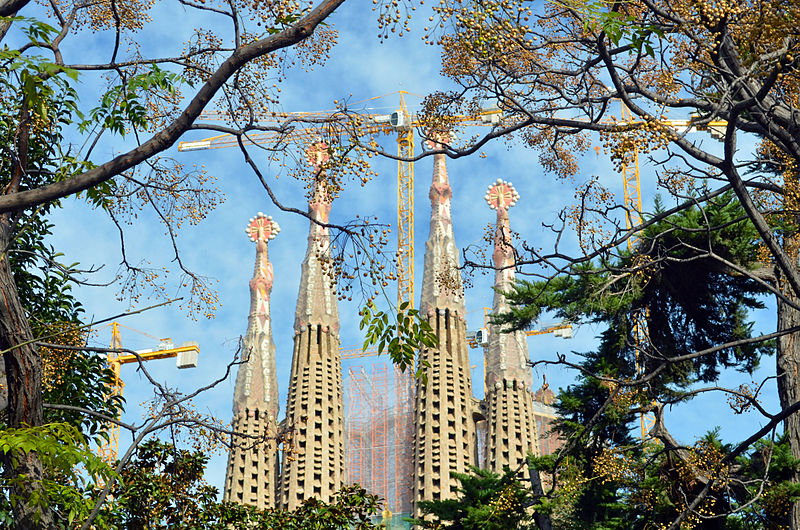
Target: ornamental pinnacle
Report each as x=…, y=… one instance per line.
x=511, y=422
x=252, y=473
x=314, y=467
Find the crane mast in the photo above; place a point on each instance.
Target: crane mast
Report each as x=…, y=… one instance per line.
x=405, y=209
x=633, y=217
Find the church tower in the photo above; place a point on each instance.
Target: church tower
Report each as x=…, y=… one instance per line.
x=252, y=472
x=313, y=464
x=511, y=423
x=444, y=408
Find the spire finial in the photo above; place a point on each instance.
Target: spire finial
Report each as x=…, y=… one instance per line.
x=262, y=228
x=438, y=138
x=507, y=353
x=317, y=154
x=501, y=194
x=256, y=386
x=441, y=279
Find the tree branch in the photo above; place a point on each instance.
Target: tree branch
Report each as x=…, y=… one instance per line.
x=166, y=137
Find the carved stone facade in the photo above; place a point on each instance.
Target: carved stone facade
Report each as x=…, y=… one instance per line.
x=511, y=432
x=313, y=467
x=252, y=472
x=444, y=409
x=313, y=464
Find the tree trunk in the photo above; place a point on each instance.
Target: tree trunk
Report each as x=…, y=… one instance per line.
x=24, y=380
x=788, y=369
x=542, y=520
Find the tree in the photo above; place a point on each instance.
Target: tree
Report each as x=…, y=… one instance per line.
x=164, y=488
x=147, y=104
x=487, y=501
x=71, y=472
x=692, y=305
x=69, y=381
x=692, y=302
x=564, y=70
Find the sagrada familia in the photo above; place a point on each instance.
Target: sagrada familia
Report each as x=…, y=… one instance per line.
x=446, y=414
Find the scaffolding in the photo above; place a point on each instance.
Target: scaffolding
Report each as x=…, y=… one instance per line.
x=379, y=431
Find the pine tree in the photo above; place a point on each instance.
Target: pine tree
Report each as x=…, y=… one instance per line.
x=693, y=303
x=486, y=501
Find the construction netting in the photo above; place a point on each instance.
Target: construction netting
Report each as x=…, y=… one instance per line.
x=379, y=404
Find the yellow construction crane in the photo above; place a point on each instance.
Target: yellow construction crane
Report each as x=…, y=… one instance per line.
x=401, y=121
x=186, y=355
x=633, y=217
x=563, y=330
x=630, y=165
x=356, y=353
x=481, y=337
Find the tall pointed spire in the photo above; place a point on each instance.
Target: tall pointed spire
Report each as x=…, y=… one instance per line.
x=444, y=408
x=511, y=419
x=507, y=353
x=316, y=302
x=255, y=396
x=441, y=280
x=314, y=466
x=256, y=384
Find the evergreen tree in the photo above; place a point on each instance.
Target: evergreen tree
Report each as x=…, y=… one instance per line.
x=486, y=501
x=694, y=276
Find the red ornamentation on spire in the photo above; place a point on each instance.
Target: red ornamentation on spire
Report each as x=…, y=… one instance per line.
x=262, y=228
x=256, y=384
x=507, y=353
x=501, y=194
x=317, y=154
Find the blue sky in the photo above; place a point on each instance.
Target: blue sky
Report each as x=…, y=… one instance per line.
x=218, y=248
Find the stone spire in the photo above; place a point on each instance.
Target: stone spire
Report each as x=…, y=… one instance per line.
x=255, y=396
x=316, y=302
x=506, y=353
x=441, y=279
x=444, y=408
x=511, y=419
x=313, y=464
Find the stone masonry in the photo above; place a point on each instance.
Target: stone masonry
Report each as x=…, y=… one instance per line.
x=444, y=409
x=313, y=463
x=511, y=421
x=252, y=472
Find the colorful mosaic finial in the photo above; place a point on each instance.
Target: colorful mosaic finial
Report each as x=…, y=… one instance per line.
x=317, y=154
x=437, y=139
x=262, y=228
x=256, y=385
x=501, y=194
x=507, y=353
x=511, y=419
